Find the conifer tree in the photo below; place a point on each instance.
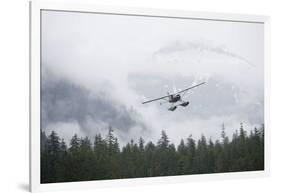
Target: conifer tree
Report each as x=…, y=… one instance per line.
x=104, y=160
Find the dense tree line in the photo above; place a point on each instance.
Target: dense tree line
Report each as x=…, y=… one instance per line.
x=104, y=159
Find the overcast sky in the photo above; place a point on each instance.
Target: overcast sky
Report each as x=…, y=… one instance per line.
x=98, y=68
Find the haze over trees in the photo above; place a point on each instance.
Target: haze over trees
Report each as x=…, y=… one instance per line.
x=105, y=159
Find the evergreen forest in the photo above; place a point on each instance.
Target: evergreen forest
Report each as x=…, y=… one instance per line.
x=103, y=158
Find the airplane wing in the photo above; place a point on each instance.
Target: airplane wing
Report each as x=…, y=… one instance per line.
x=190, y=88
x=155, y=99
x=173, y=94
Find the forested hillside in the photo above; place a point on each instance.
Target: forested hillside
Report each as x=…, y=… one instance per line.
x=105, y=159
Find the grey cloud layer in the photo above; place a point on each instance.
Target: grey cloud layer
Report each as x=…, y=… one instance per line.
x=64, y=101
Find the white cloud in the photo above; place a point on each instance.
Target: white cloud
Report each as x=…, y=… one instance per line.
x=101, y=52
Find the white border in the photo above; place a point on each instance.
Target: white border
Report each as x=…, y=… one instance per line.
x=34, y=146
